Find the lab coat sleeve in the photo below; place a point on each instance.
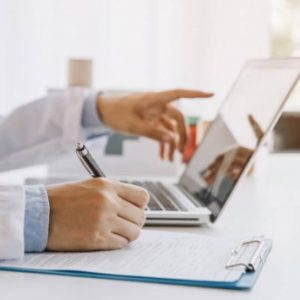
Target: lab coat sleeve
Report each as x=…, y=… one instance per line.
x=12, y=207
x=36, y=218
x=40, y=131
x=92, y=124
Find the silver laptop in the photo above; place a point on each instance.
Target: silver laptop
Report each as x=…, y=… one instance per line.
x=250, y=111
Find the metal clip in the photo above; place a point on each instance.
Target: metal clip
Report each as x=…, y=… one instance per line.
x=237, y=254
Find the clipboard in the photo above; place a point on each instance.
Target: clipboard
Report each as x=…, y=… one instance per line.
x=248, y=257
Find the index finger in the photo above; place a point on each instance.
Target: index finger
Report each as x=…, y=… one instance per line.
x=134, y=194
x=256, y=127
x=172, y=95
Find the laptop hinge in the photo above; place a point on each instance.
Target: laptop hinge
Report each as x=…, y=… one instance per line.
x=197, y=202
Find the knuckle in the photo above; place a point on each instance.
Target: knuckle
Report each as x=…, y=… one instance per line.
x=104, y=202
x=94, y=238
x=144, y=196
x=135, y=233
x=96, y=185
x=101, y=182
x=121, y=244
x=174, y=124
x=142, y=219
x=124, y=243
x=94, y=181
x=108, y=204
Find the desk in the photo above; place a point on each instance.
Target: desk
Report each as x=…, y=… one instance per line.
x=268, y=203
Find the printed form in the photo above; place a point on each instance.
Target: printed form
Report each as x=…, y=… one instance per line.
x=155, y=254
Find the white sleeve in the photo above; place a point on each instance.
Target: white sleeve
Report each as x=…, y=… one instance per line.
x=42, y=130
x=12, y=203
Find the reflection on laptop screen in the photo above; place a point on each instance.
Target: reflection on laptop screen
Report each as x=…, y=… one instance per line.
x=244, y=118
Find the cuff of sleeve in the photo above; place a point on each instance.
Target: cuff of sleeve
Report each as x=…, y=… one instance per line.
x=91, y=121
x=36, y=221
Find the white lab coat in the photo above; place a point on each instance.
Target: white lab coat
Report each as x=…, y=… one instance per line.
x=34, y=134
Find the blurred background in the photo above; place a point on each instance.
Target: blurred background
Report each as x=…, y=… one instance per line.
x=143, y=45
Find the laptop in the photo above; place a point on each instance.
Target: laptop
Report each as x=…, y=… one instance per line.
x=227, y=152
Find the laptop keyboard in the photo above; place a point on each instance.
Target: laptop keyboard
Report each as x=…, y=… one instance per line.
x=161, y=199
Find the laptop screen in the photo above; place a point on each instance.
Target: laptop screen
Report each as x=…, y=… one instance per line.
x=249, y=112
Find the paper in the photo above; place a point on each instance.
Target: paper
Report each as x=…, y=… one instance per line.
x=155, y=254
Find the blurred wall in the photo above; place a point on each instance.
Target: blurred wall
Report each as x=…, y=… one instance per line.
x=203, y=44
x=135, y=44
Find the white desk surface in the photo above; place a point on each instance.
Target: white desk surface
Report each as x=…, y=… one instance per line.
x=267, y=203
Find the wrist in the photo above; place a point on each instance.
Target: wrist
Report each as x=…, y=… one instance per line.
x=105, y=108
x=101, y=105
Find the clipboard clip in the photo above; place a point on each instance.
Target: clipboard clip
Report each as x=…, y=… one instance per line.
x=236, y=259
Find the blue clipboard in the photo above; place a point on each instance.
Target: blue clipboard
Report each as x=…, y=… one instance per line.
x=246, y=281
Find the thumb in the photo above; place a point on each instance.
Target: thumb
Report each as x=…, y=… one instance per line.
x=256, y=127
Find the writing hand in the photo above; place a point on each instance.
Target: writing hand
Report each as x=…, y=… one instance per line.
x=96, y=214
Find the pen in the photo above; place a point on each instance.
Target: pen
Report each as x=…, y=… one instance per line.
x=88, y=161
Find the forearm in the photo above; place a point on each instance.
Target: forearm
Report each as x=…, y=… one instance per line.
x=40, y=131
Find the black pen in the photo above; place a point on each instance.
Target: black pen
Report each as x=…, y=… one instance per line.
x=88, y=161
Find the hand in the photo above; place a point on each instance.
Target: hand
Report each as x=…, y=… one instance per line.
x=241, y=156
x=97, y=214
x=150, y=115
x=259, y=133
